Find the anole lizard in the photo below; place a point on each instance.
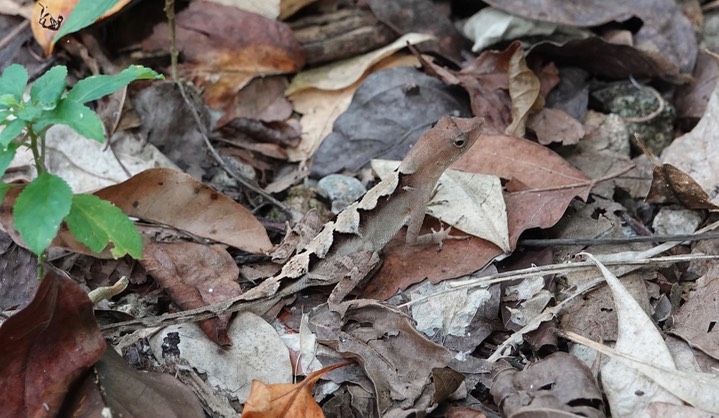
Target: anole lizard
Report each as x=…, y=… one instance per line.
x=346, y=250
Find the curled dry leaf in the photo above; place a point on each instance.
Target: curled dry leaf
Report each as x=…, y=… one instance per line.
x=286, y=400
x=176, y=199
x=524, y=90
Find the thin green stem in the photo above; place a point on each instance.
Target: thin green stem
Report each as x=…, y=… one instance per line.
x=37, y=142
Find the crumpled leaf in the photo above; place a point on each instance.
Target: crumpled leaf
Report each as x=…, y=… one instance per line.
x=696, y=324
x=398, y=359
x=46, y=346
x=174, y=198
x=554, y=125
x=389, y=111
x=195, y=275
x=558, y=382
x=456, y=191
x=286, y=400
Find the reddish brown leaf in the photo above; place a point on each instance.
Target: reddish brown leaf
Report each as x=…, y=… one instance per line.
x=46, y=346
x=691, y=99
x=195, y=275
x=176, y=199
x=286, y=400
x=225, y=47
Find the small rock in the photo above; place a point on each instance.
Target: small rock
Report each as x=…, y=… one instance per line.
x=341, y=190
x=676, y=221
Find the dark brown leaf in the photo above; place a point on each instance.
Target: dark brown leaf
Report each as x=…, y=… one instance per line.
x=46, y=346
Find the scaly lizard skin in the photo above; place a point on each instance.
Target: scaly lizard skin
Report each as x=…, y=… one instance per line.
x=346, y=250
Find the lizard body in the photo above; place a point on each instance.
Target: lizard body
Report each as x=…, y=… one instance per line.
x=347, y=249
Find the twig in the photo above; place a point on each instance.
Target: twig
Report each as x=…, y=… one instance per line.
x=613, y=241
x=655, y=113
x=245, y=182
x=591, y=182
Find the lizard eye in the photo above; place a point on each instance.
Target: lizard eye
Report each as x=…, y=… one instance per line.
x=460, y=141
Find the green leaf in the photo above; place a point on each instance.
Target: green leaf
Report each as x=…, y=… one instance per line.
x=96, y=222
x=13, y=81
x=39, y=210
x=48, y=89
x=85, y=13
x=8, y=100
x=77, y=116
x=94, y=87
x=11, y=131
x=30, y=113
x=6, y=157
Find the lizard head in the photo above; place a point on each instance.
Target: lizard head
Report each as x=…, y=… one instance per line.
x=442, y=145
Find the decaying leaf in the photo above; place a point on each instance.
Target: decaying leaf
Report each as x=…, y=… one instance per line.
x=524, y=92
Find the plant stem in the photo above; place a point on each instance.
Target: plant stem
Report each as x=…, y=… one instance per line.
x=170, y=13
x=36, y=154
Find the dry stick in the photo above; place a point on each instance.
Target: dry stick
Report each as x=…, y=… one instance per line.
x=591, y=182
x=553, y=311
x=612, y=241
x=245, y=182
x=13, y=33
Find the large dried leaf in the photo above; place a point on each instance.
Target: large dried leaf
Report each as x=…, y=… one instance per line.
x=176, y=199
x=195, y=275
x=46, y=346
x=671, y=185
x=225, y=47
x=639, y=338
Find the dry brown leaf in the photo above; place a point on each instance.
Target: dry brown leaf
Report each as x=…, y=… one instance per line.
x=49, y=15
x=176, y=199
x=286, y=400
x=195, y=275
x=671, y=185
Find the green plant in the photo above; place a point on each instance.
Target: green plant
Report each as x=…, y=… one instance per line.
x=47, y=201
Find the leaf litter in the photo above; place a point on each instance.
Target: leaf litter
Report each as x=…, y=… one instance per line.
x=433, y=332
